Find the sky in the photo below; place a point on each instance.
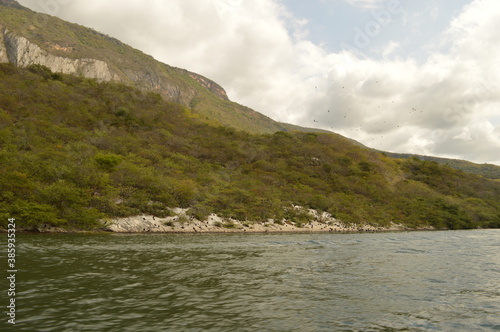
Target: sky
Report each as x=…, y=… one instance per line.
x=402, y=76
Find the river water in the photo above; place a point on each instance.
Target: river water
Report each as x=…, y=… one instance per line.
x=416, y=281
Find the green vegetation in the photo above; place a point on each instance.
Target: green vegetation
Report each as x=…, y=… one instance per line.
x=74, y=151
x=142, y=71
x=486, y=170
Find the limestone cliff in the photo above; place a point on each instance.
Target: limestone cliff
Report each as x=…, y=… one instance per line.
x=22, y=53
x=210, y=85
x=151, y=80
x=3, y=51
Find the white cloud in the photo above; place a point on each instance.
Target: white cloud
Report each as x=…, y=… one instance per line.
x=390, y=48
x=443, y=105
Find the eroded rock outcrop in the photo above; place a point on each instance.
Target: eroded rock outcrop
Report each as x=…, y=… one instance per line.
x=3, y=51
x=22, y=53
x=210, y=85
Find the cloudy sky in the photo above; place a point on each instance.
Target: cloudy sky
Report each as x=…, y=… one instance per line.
x=397, y=75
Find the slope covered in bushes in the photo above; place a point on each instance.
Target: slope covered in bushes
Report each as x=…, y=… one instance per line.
x=74, y=151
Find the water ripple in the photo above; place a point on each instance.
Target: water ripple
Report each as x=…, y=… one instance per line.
x=428, y=281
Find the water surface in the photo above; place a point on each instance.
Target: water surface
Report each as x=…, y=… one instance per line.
x=417, y=281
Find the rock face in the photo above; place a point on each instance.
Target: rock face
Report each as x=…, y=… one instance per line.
x=3, y=51
x=210, y=85
x=152, y=81
x=22, y=53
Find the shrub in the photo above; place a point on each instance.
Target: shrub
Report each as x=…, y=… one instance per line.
x=108, y=161
x=200, y=212
x=31, y=214
x=183, y=219
x=229, y=224
x=169, y=223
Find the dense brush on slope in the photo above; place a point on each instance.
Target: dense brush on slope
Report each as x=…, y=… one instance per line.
x=122, y=63
x=73, y=151
x=487, y=170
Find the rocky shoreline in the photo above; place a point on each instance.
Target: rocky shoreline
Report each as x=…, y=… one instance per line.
x=182, y=223
x=216, y=224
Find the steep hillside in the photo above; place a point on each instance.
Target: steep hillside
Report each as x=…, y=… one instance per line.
x=27, y=37
x=487, y=170
x=75, y=150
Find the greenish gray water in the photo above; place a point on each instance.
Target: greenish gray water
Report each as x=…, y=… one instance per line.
x=417, y=281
